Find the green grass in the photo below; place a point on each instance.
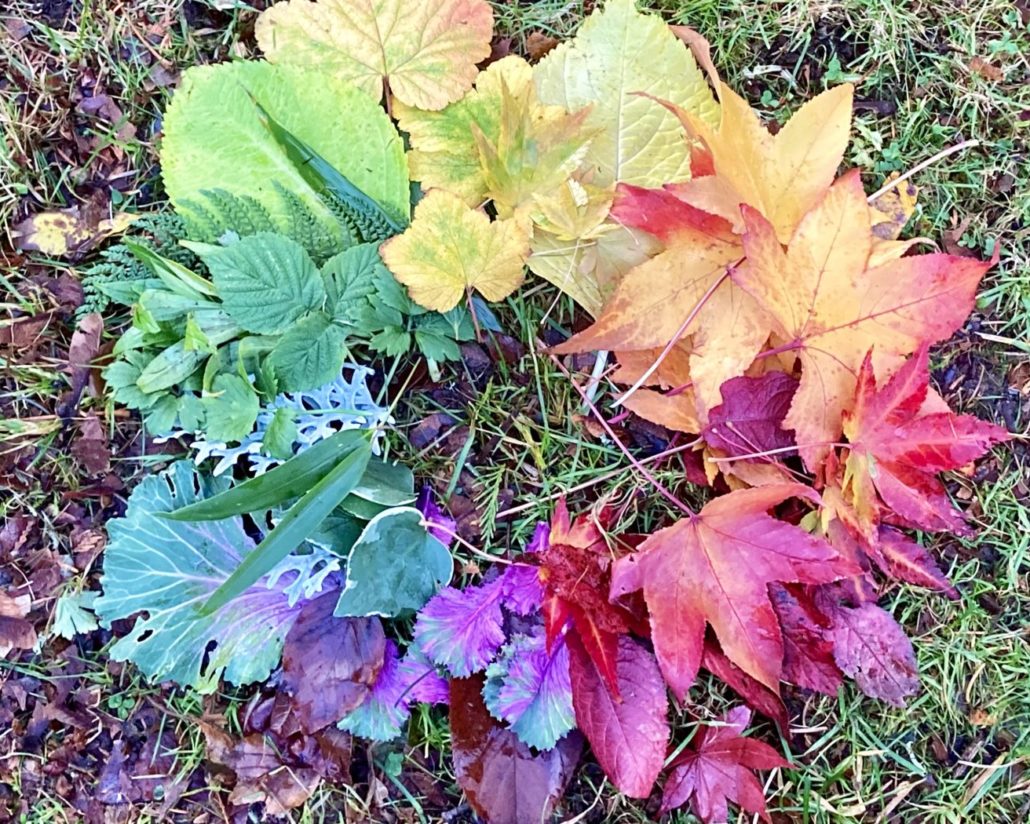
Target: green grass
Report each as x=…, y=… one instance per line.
x=953, y=755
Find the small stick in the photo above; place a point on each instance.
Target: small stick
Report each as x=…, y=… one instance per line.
x=943, y=153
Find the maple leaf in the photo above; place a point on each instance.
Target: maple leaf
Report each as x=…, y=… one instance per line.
x=782, y=176
x=497, y=143
x=629, y=731
x=897, y=451
x=807, y=641
x=758, y=696
x=750, y=418
x=423, y=51
x=717, y=767
x=830, y=308
x=714, y=568
x=450, y=249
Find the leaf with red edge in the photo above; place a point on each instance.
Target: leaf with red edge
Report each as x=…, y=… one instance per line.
x=898, y=451
x=758, y=696
x=714, y=568
x=503, y=780
x=330, y=664
x=807, y=641
x=716, y=769
x=900, y=557
x=628, y=735
x=750, y=417
x=870, y=647
x=661, y=213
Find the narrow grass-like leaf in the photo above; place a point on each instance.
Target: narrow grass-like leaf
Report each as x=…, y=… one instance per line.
x=174, y=275
x=299, y=522
x=291, y=479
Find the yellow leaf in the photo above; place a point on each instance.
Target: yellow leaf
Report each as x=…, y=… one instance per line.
x=69, y=232
x=424, y=51
x=784, y=175
x=893, y=209
x=497, y=143
x=450, y=249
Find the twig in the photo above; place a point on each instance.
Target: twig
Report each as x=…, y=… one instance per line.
x=943, y=153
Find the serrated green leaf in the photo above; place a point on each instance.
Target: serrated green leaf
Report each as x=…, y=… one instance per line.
x=73, y=614
x=161, y=415
x=437, y=347
x=280, y=435
x=295, y=527
x=350, y=279
x=266, y=282
x=395, y=567
x=310, y=354
x=391, y=342
x=231, y=410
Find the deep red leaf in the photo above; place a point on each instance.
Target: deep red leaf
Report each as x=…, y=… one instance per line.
x=503, y=780
x=716, y=769
x=628, y=736
x=661, y=213
x=870, y=647
x=329, y=663
x=758, y=696
x=750, y=417
x=807, y=641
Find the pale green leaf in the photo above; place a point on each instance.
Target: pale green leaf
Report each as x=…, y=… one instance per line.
x=310, y=354
x=231, y=408
x=280, y=435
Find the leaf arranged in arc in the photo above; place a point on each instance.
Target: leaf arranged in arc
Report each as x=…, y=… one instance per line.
x=296, y=525
x=503, y=780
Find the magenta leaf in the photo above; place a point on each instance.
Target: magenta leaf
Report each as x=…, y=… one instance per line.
x=629, y=734
x=438, y=523
x=807, y=641
x=870, y=646
x=529, y=689
x=462, y=629
x=751, y=414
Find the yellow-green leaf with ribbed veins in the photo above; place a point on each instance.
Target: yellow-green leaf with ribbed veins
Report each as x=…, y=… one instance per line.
x=617, y=53
x=424, y=51
x=450, y=249
x=498, y=142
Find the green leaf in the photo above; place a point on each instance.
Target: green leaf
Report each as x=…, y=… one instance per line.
x=231, y=410
x=266, y=282
x=174, y=275
x=391, y=342
x=174, y=364
x=281, y=483
x=385, y=483
x=350, y=279
x=214, y=138
x=310, y=354
x=73, y=614
x=194, y=339
x=437, y=347
x=161, y=415
x=280, y=435
x=296, y=525
x=395, y=567
x=167, y=570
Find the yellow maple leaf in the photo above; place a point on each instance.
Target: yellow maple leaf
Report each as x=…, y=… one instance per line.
x=424, y=51
x=497, y=143
x=450, y=249
x=783, y=175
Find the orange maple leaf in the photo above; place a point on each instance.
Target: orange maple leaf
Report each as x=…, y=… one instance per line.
x=830, y=307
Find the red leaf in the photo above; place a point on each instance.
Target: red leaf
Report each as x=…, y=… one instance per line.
x=628, y=736
x=750, y=418
x=717, y=769
x=870, y=646
x=662, y=214
x=900, y=557
x=758, y=696
x=807, y=641
x=715, y=568
x=504, y=782
x=898, y=452
x=329, y=664
x=601, y=645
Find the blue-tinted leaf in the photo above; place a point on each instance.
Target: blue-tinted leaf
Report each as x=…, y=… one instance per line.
x=530, y=689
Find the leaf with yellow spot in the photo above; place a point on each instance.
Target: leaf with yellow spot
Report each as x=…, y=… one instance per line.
x=424, y=51
x=450, y=249
x=69, y=232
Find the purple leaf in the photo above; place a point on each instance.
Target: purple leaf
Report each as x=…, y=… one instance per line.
x=870, y=646
x=530, y=690
x=461, y=630
x=523, y=592
x=439, y=524
x=541, y=538
x=424, y=684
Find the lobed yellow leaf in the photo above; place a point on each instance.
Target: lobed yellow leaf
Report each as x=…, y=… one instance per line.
x=450, y=249
x=423, y=51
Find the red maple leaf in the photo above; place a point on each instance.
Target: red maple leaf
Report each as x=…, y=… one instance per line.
x=714, y=568
x=717, y=769
x=896, y=450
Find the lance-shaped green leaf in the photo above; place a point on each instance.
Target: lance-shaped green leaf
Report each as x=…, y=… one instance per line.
x=299, y=522
x=288, y=480
x=395, y=567
x=174, y=275
x=167, y=570
x=173, y=365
